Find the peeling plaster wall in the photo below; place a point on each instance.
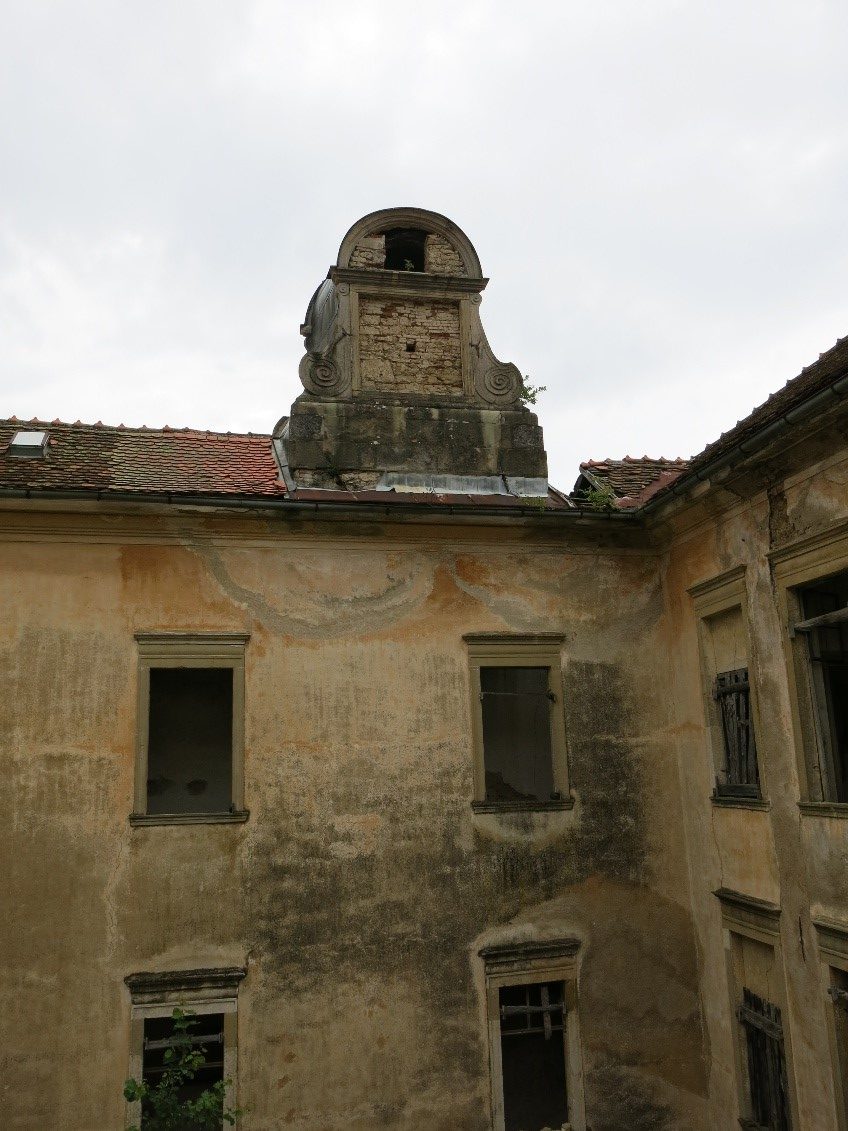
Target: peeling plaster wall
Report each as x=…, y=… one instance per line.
x=362, y=886
x=781, y=855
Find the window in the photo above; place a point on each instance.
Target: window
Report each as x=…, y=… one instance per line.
x=206, y=1034
x=210, y=996
x=833, y=948
x=767, y=1081
x=739, y=774
x=533, y=1055
x=758, y=997
x=191, y=725
x=838, y=995
x=405, y=249
x=519, y=732
x=824, y=608
x=534, y=1035
x=730, y=704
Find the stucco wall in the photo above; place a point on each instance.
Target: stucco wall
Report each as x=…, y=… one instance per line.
x=778, y=854
x=362, y=886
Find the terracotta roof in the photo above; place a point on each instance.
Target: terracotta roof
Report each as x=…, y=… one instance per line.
x=96, y=457
x=629, y=477
x=812, y=379
x=635, y=481
x=182, y=461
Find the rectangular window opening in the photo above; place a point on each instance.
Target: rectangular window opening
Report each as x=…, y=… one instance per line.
x=517, y=751
x=838, y=994
x=533, y=1066
x=190, y=740
x=206, y=1035
x=827, y=644
x=767, y=1077
x=740, y=775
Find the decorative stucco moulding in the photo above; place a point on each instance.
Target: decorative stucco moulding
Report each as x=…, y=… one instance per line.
x=346, y=354
x=401, y=386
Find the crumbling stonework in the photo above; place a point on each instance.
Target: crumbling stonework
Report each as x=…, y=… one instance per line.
x=369, y=253
x=441, y=258
x=410, y=346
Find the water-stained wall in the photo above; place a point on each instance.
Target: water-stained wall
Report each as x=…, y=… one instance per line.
x=362, y=886
x=771, y=528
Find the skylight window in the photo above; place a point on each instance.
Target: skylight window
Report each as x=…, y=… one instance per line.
x=29, y=445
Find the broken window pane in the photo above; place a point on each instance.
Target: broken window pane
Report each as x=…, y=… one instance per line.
x=828, y=651
x=533, y=1056
x=190, y=740
x=766, y=1062
x=732, y=692
x=516, y=705
x=206, y=1033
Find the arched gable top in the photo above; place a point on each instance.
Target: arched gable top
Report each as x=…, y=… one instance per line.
x=373, y=241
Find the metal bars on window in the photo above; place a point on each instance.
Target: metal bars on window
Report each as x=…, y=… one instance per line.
x=540, y=1010
x=767, y=1076
x=732, y=693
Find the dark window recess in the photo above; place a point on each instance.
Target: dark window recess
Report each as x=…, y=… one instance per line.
x=190, y=740
x=766, y=1062
x=206, y=1033
x=516, y=706
x=838, y=991
x=828, y=649
x=533, y=1056
x=740, y=776
x=405, y=249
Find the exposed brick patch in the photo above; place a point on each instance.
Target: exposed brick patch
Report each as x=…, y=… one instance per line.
x=410, y=346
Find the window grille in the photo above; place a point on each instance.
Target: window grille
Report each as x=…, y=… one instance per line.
x=532, y=1025
x=732, y=693
x=767, y=1077
x=541, y=1011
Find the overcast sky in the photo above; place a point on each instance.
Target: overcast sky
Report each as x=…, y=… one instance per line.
x=658, y=191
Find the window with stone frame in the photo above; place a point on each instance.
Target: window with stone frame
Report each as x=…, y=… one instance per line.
x=730, y=697
x=757, y=993
x=518, y=724
x=767, y=1076
x=832, y=937
x=189, y=764
x=534, y=1033
x=824, y=628
x=210, y=998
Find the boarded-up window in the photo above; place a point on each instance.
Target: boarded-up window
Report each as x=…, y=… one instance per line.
x=532, y=1020
x=767, y=1079
x=739, y=775
x=190, y=740
x=516, y=708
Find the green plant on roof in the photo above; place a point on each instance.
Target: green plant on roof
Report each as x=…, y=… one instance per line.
x=528, y=393
x=600, y=498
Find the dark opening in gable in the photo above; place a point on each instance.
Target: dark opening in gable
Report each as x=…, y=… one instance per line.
x=405, y=249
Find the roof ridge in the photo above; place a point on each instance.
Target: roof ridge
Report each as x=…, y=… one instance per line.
x=98, y=426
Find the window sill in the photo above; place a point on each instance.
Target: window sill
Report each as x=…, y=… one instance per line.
x=522, y=806
x=824, y=808
x=237, y=818
x=728, y=801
